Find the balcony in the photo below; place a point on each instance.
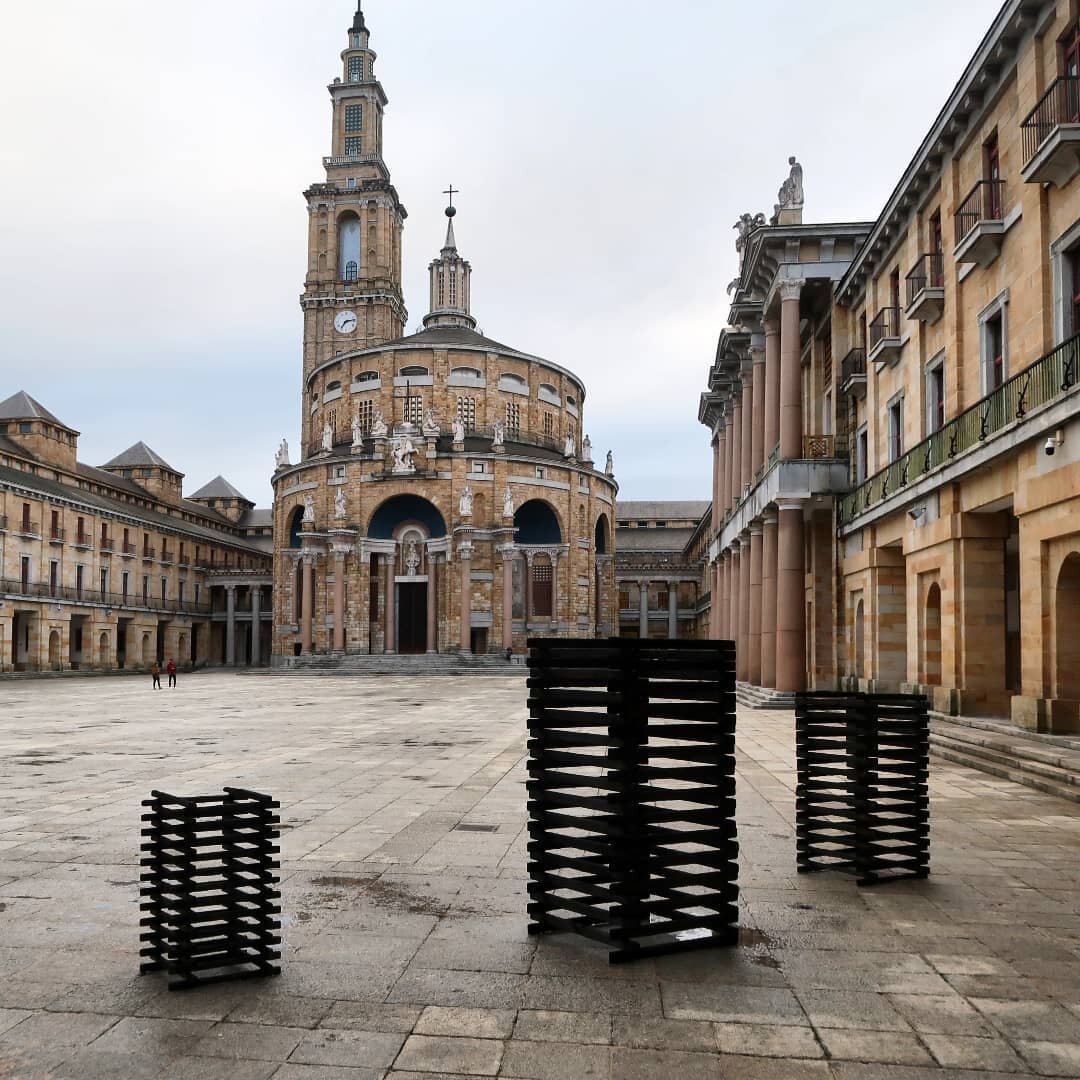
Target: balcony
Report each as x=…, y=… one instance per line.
x=3, y=523
x=167, y=556
x=1051, y=135
x=107, y=545
x=82, y=540
x=1041, y=385
x=853, y=373
x=56, y=535
x=885, y=343
x=980, y=223
x=926, y=288
x=127, y=551
x=149, y=554
x=47, y=591
x=26, y=527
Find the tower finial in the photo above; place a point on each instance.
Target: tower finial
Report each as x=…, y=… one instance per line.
x=358, y=21
x=451, y=213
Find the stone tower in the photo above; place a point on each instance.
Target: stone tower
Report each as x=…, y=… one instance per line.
x=352, y=296
x=451, y=280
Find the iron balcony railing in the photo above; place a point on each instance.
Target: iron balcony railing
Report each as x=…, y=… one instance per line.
x=167, y=555
x=886, y=324
x=983, y=203
x=1059, y=105
x=129, y=549
x=149, y=554
x=26, y=527
x=46, y=591
x=927, y=273
x=56, y=534
x=853, y=364
x=107, y=545
x=83, y=540
x=1044, y=381
x=3, y=523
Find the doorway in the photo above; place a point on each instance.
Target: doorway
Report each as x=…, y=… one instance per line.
x=412, y=618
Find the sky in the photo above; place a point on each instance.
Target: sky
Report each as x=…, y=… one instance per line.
x=153, y=158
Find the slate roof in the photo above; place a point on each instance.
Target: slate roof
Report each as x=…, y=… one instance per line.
x=667, y=540
x=257, y=519
x=22, y=406
x=139, y=456
x=219, y=488
x=661, y=510
x=453, y=336
x=10, y=446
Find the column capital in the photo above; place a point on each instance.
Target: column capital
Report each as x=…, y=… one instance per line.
x=769, y=517
x=735, y=545
x=771, y=325
x=791, y=289
x=757, y=527
x=789, y=504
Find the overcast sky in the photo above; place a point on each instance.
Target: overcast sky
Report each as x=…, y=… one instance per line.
x=153, y=158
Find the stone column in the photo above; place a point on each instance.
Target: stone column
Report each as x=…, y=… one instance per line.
x=755, y=603
x=673, y=610
x=465, y=553
x=757, y=409
x=339, y=601
x=743, y=667
x=725, y=470
x=307, y=606
x=748, y=420
x=725, y=605
x=230, y=626
x=716, y=608
x=790, y=600
x=432, y=603
x=768, y=599
x=791, y=425
x=390, y=621
x=733, y=599
x=508, y=600
x=256, y=625
x=771, y=406
x=643, y=610
x=736, y=448
x=716, y=482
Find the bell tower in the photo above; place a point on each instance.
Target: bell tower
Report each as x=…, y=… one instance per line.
x=451, y=281
x=352, y=295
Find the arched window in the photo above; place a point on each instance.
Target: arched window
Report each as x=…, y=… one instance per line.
x=547, y=392
x=513, y=384
x=407, y=372
x=601, y=535
x=349, y=247
x=366, y=376
x=296, y=524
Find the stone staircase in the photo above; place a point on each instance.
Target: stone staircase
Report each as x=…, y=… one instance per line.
x=439, y=664
x=1047, y=763
x=755, y=697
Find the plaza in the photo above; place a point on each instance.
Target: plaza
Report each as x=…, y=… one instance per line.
x=406, y=951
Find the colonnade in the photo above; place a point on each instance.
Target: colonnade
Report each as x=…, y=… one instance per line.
x=758, y=576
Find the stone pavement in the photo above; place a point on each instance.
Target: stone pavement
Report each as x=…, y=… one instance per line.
x=404, y=886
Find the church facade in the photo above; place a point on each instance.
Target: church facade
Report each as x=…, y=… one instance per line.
x=446, y=499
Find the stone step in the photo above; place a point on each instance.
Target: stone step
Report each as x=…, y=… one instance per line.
x=980, y=763
x=363, y=664
x=1005, y=760
x=1052, y=761
x=1010, y=731
x=757, y=697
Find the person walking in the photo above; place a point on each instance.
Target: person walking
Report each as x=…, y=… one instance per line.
x=155, y=670
x=170, y=667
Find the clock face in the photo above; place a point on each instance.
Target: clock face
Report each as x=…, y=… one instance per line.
x=345, y=323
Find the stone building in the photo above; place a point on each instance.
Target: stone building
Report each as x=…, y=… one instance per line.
x=659, y=568
x=111, y=568
x=919, y=524
x=446, y=499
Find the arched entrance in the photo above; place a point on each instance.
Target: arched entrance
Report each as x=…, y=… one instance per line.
x=602, y=533
x=931, y=672
x=147, y=650
x=296, y=526
x=1067, y=630
x=860, y=641
x=54, y=650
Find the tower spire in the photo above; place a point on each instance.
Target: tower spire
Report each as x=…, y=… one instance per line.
x=451, y=280
x=358, y=25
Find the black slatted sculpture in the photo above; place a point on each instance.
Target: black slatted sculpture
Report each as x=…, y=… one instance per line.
x=632, y=836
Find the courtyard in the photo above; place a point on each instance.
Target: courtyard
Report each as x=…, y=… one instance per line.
x=404, y=869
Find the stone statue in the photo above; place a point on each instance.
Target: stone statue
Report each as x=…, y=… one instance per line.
x=327, y=437
x=508, y=503
x=412, y=559
x=431, y=423
x=339, y=504
x=403, y=452
x=586, y=449
x=791, y=194
x=569, y=447
x=459, y=430
x=733, y=285
x=281, y=459
x=309, y=508
x=609, y=467
x=357, y=431
x=746, y=224
x=466, y=504
x=378, y=425
x=499, y=437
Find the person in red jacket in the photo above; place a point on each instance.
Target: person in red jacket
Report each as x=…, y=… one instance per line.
x=171, y=669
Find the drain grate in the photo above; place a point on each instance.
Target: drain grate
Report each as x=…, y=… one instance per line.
x=475, y=828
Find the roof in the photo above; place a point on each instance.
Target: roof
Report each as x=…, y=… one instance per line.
x=661, y=510
x=153, y=518
x=10, y=446
x=22, y=406
x=139, y=456
x=219, y=488
x=669, y=540
x=257, y=519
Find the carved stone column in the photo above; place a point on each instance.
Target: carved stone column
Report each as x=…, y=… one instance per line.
x=755, y=604
x=432, y=604
x=771, y=407
x=643, y=610
x=256, y=625
x=757, y=428
x=736, y=448
x=743, y=665
x=508, y=600
x=716, y=587
x=748, y=420
x=307, y=606
x=725, y=585
x=733, y=599
x=790, y=372
x=768, y=599
x=465, y=554
x=230, y=625
x=390, y=621
x=725, y=470
x=339, y=601
x=716, y=444
x=790, y=600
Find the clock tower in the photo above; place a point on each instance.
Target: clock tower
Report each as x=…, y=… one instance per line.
x=352, y=295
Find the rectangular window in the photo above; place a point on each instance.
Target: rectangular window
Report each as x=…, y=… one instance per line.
x=79, y=582
x=894, y=302
x=350, y=184
x=198, y=592
x=164, y=588
x=513, y=417
x=466, y=410
x=549, y=425
x=26, y=517
x=146, y=588
x=992, y=172
x=54, y=577
x=826, y=414
x=935, y=398
x=354, y=118
x=862, y=454
x=414, y=410
x=542, y=590
x=54, y=525
x=103, y=582
x=541, y=472
x=24, y=570
x=896, y=429
x=182, y=590
x=1072, y=298
x=365, y=414
x=352, y=146
x=356, y=69
x=993, y=353
x=125, y=584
